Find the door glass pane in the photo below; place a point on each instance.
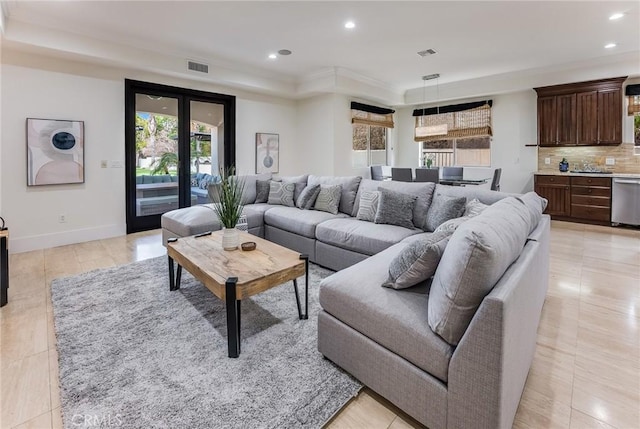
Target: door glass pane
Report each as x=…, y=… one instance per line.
x=207, y=147
x=156, y=154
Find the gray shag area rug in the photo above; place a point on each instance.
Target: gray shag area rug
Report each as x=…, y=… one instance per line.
x=133, y=354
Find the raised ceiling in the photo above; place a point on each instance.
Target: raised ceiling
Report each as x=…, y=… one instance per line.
x=503, y=45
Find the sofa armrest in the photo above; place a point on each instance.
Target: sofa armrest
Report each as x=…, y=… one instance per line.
x=489, y=367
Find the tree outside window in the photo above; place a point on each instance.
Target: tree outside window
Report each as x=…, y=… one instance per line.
x=369, y=145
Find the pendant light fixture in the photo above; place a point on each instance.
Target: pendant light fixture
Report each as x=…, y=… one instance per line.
x=431, y=129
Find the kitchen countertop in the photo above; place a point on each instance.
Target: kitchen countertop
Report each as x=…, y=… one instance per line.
x=558, y=173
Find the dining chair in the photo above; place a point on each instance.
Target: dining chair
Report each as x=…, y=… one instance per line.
x=376, y=172
x=402, y=174
x=495, y=183
x=452, y=172
x=427, y=175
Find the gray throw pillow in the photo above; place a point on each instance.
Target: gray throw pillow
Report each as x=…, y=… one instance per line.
x=281, y=193
x=536, y=205
x=452, y=224
x=417, y=262
x=444, y=208
x=308, y=197
x=368, y=206
x=328, y=199
x=262, y=191
x=395, y=208
x=474, y=208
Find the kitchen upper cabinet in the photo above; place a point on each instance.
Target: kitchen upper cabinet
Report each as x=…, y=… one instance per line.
x=609, y=114
x=588, y=118
x=584, y=113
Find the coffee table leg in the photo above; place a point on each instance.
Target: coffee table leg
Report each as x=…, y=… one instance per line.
x=306, y=286
x=172, y=284
x=174, y=280
x=233, y=317
x=295, y=289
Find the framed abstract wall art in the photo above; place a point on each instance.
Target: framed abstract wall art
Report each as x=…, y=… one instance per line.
x=55, y=152
x=267, y=151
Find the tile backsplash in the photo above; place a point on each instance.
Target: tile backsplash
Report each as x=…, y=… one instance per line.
x=626, y=155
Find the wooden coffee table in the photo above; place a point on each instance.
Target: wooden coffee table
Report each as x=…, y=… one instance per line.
x=235, y=275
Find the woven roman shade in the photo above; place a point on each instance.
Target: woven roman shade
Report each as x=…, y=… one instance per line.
x=633, y=96
x=460, y=121
x=371, y=115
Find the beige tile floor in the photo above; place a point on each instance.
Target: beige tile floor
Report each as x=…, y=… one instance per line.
x=585, y=374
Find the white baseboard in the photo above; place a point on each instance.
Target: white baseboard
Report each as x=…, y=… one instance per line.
x=45, y=241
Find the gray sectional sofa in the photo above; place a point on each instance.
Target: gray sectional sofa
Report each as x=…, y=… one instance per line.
x=453, y=351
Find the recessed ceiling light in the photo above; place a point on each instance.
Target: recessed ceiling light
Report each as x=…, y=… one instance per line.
x=616, y=16
x=610, y=45
x=272, y=56
x=350, y=25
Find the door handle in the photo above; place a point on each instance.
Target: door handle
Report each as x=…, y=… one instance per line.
x=631, y=182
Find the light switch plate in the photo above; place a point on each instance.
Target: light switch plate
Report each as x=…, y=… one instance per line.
x=610, y=161
x=103, y=163
x=547, y=161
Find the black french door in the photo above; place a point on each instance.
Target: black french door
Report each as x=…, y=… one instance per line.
x=176, y=140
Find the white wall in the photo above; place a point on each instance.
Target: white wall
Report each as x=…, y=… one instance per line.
x=55, y=89
x=514, y=126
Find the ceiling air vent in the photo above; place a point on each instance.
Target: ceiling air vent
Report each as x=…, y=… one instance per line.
x=427, y=52
x=198, y=67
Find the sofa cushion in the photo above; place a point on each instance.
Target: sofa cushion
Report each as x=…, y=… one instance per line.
x=423, y=190
x=536, y=205
x=328, y=199
x=484, y=195
x=395, y=208
x=444, y=208
x=368, y=208
x=307, y=197
x=201, y=218
x=477, y=255
x=301, y=222
x=417, y=262
x=281, y=193
x=395, y=319
x=261, y=207
x=361, y=236
x=349, y=185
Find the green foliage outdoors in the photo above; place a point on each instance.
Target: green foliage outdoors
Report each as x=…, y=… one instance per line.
x=636, y=129
x=162, y=164
x=229, y=191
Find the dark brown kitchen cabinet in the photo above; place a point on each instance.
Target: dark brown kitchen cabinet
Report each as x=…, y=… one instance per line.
x=584, y=113
x=557, y=120
x=557, y=191
x=576, y=198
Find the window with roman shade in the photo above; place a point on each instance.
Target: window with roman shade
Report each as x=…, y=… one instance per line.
x=370, y=124
x=452, y=122
x=633, y=96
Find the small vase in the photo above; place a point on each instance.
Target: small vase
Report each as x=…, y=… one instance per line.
x=230, y=238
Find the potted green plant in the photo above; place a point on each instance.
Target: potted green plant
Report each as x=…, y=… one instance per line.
x=228, y=206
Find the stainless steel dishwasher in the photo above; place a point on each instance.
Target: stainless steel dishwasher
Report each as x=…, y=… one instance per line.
x=625, y=200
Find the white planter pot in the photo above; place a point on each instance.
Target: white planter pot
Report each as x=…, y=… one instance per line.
x=230, y=238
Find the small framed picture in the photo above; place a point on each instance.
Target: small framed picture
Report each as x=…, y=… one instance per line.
x=267, y=152
x=55, y=152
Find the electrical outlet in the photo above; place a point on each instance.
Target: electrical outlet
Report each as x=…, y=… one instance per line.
x=103, y=163
x=547, y=161
x=62, y=218
x=610, y=161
